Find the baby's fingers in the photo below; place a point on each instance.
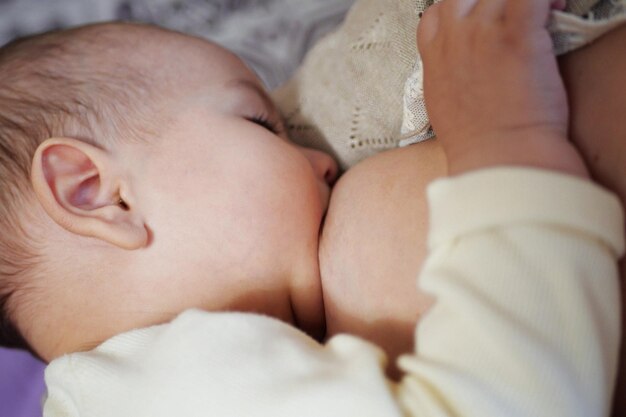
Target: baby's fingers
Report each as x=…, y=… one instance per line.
x=531, y=14
x=441, y=16
x=489, y=9
x=428, y=27
x=453, y=10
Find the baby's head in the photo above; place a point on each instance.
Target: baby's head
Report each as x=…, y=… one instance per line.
x=144, y=172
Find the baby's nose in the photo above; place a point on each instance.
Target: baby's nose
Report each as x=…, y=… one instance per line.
x=324, y=165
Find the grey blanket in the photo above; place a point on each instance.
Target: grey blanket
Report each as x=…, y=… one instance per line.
x=272, y=36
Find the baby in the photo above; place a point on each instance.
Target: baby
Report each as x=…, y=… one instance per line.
x=94, y=183
x=522, y=263
x=146, y=172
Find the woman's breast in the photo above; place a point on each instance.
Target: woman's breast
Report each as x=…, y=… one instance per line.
x=373, y=245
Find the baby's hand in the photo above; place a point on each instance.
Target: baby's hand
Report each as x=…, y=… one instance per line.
x=493, y=90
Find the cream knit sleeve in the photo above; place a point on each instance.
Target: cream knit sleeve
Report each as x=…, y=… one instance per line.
x=523, y=264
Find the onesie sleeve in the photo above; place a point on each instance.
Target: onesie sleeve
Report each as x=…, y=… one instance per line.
x=523, y=264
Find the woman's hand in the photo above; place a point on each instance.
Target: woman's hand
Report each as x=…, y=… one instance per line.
x=493, y=90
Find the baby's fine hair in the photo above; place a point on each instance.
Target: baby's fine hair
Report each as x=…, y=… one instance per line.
x=73, y=83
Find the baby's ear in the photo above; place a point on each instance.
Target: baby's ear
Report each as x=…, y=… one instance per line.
x=82, y=189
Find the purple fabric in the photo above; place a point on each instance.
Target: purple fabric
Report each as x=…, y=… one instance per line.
x=21, y=384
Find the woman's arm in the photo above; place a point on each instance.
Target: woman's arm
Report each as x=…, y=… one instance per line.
x=595, y=77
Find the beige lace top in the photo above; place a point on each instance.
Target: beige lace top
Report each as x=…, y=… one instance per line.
x=359, y=90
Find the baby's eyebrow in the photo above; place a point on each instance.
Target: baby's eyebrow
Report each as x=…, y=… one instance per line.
x=254, y=87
